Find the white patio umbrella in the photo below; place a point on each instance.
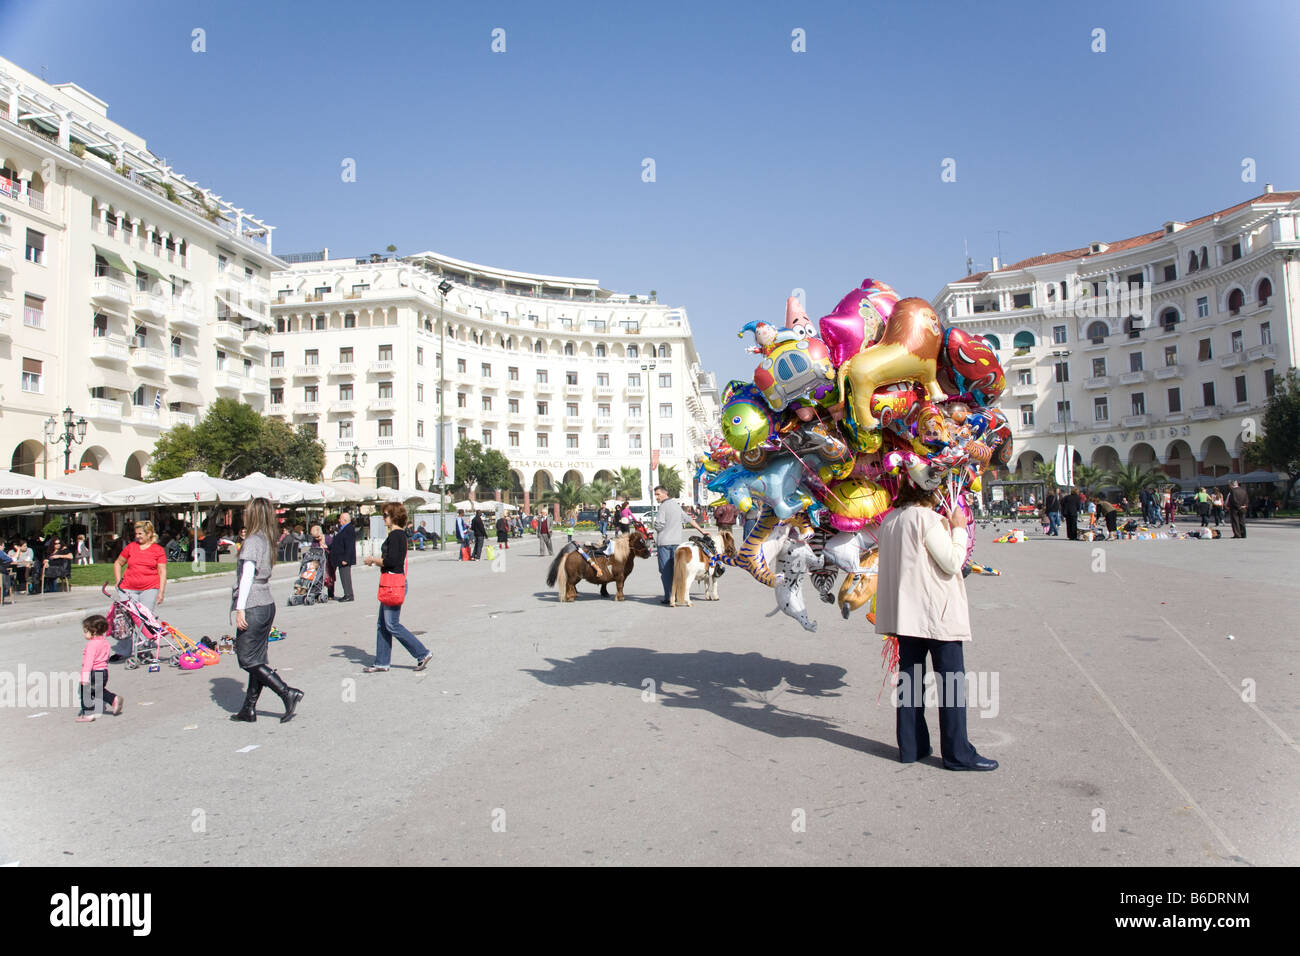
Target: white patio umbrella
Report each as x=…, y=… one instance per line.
x=350, y=491
x=193, y=487
x=38, y=492
x=97, y=480
x=278, y=490
x=405, y=496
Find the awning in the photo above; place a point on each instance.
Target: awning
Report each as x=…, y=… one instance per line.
x=150, y=271
x=114, y=260
x=98, y=376
x=182, y=395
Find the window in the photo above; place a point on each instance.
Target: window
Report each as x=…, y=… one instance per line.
x=1171, y=273
x=1133, y=326
x=634, y=380
x=1238, y=343
x=634, y=442
x=318, y=323
x=221, y=360
x=345, y=356
x=1269, y=382
x=571, y=409
x=310, y=393
x=600, y=350
x=386, y=353
x=419, y=355
x=1171, y=356
x=277, y=395
x=568, y=348
x=248, y=367
x=1062, y=411
x=512, y=406
x=419, y=392
x=1240, y=383
x=385, y=389
x=1175, y=400
x=487, y=437
x=665, y=380
x=512, y=373
x=1207, y=394
x=1203, y=307
x=277, y=360
x=1100, y=410
x=1235, y=301
x=137, y=397
x=602, y=442
x=385, y=428
x=1263, y=292
x=350, y=320
x=634, y=411
x=1204, y=352
x=539, y=347
x=1097, y=333
x=543, y=441
x=1022, y=300
x=666, y=439
x=35, y=246
x=602, y=410
x=543, y=408
x=666, y=410
x=571, y=442
x=512, y=439
x=487, y=403
x=602, y=378
x=461, y=400
x=633, y=352
x=666, y=352
x=570, y=378
x=1169, y=320
x=311, y=357
x=1265, y=334
x=462, y=433
x=1098, y=368
x=1135, y=361
x=177, y=347
x=32, y=375
x=419, y=428
x=1235, y=252
x=1062, y=371
x=1058, y=335
x=541, y=376
x=345, y=393
x=485, y=370
x=99, y=326
x=33, y=311
x=1138, y=402
x=140, y=337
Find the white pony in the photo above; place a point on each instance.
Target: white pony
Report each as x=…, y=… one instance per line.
x=691, y=566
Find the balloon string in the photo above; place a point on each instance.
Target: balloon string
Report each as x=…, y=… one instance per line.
x=889, y=660
x=829, y=491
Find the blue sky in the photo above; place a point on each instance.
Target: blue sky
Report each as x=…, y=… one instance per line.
x=774, y=169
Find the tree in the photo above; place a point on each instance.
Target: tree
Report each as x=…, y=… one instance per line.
x=288, y=453
x=1045, y=471
x=1088, y=477
x=671, y=480
x=569, y=495
x=232, y=441
x=477, y=467
x=628, y=483
x=1278, y=446
x=1132, y=478
x=601, y=491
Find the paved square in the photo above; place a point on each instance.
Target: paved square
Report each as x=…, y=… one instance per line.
x=606, y=733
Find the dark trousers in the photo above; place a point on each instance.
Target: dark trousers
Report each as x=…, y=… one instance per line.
x=1112, y=521
x=343, y=574
x=1072, y=527
x=950, y=678
x=1238, y=520
x=478, y=545
x=667, y=554
x=98, y=683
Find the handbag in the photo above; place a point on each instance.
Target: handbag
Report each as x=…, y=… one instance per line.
x=392, y=587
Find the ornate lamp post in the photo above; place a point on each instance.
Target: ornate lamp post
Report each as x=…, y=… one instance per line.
x=354, y=458
x=648, y=368
x=1061, y=355
x=74, y=433
x=443, y=288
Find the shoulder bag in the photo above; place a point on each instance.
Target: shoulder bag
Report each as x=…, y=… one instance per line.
x=392, y=587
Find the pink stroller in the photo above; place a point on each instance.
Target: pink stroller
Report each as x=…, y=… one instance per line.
x=150, y=638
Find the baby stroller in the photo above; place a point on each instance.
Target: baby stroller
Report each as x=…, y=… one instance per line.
x=152, y=641
x=309, y=588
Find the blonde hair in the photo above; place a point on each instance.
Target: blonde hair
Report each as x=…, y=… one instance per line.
x=147, y=528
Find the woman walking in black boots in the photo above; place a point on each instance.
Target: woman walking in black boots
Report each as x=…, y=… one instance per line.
x=255, y=612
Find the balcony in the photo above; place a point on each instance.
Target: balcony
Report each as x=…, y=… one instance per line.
x=1169, y=371
x=144, y=416
x=1057, y=428
x=634, y=391
x=486, y=385
x=1232, y=359
x=632, y=421
x=148, y=360
x=310, y=370
x=253, y=385
x=381, y=405
x=387, y=442
x=307, y=408
x=182, y=418
x=257, y=342
x=605, y=422
x=229, y=332
x=257, y=373
x=225, y=380
x=515, y=387
x=4, y=324
x=1024, y=391
x=544, y=388
x=384, y=365
x=603, y=391
x=276, y=408
x=1097, y=381
x=183, y=315
x=604, y=452
x=1021, y=360
x=544, y=421
x=1136, y=421
x=343, y=407
x=1205, y=413
x=1133, y=378
x=1267, y=351
x=574, y=421
x=149, y=306
x=110, y=293
x=574, y=391
x=278, y=372
x=104, y=410
x=109, y=348
x=343, y=368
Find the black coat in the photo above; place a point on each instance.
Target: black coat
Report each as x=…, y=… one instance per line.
x=343, y=549
x=477, y=527
x=1053, y=503
x=1070, y=505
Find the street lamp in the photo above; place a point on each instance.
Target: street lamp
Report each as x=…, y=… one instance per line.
x=74, y=433
x=352, y=459
x=1061, y=355
x=649, y=367
x=443, y=288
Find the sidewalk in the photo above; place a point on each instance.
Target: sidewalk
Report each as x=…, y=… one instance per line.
x=39, y=609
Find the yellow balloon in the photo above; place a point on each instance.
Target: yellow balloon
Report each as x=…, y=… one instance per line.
x=858, y=498
x=975, y=485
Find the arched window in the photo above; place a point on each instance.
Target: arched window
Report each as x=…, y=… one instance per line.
x=1023, y=340
x=1264, y=291
x=539, y=347
x=1235, y=301
x=992, y=340
x=600, y=350
x=1205, y=258
x=1097, y=332
x=1192, y=263
x=1133, y=326
x=665, y=351
x=633, y=352
x=568, y=348
x=1169, y=320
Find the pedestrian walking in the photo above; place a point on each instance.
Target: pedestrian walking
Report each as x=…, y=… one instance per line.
x=140, y=571
x=1216, y=508
x=1238, y=501
x=503, y=532
x=1052, y=505
x=343, y=555
x=725, y=515
x=1203, y=507
x=668, y=535
x=392, y=596
x=254, y=609
x=544, y=546
x=94, y=670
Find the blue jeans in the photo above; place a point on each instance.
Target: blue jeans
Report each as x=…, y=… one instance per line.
x=666, y=554
x=391, y=627
x=1054, y=523
x=604, y=525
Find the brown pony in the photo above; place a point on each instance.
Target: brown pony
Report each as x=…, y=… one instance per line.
x=692, y=566
x=570, y=567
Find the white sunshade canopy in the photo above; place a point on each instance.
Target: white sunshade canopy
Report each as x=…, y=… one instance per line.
x=191, y=488
x=26, y=490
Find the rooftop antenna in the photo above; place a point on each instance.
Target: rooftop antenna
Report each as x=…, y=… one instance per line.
x=969, y=262
x=999, y=235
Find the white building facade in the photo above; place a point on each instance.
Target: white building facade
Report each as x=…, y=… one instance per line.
x=1179, y=390
x=569, y=381
x=128, y=294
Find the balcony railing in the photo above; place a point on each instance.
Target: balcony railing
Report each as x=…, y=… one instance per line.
x=310, y=370
x=1097, y=381
x=229, y=332
x=182, y=418
x=574, y=421
x=1136, y=421
x=183, y=315
x=575, y=390
x=257, y=342
x=342, y=406
x=383, y=365
x=151, y=360
x=545, y=421
x=104, y=410
x=145, y=416
x=179, y=366
x=343, y=368
x=1024, y=391
x=1231, y=359
x=1132, y=378
x=307, y=408
x=1169, y=371
x=109, y=291
x=381, y=405
x=224, y=379
x=1260, y=352
x=109, y=348
x=149, y=305
x=1056, y=428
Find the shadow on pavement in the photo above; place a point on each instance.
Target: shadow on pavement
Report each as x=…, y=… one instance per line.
x=355, y=655
x=228, y=693
x=747, y=689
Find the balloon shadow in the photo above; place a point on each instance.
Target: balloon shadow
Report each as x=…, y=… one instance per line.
x=746, y=689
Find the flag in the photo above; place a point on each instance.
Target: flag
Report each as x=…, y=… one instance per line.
x=444, y=469
x=157, y=400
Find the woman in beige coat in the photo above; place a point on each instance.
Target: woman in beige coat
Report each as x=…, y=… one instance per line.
x=921, y=598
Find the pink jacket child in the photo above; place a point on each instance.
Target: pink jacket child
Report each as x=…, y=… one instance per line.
x=94, y=669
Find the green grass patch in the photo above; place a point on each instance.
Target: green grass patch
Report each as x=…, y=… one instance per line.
x=94, y=575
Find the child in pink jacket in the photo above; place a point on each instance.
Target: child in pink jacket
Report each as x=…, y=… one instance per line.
x=94, y=669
